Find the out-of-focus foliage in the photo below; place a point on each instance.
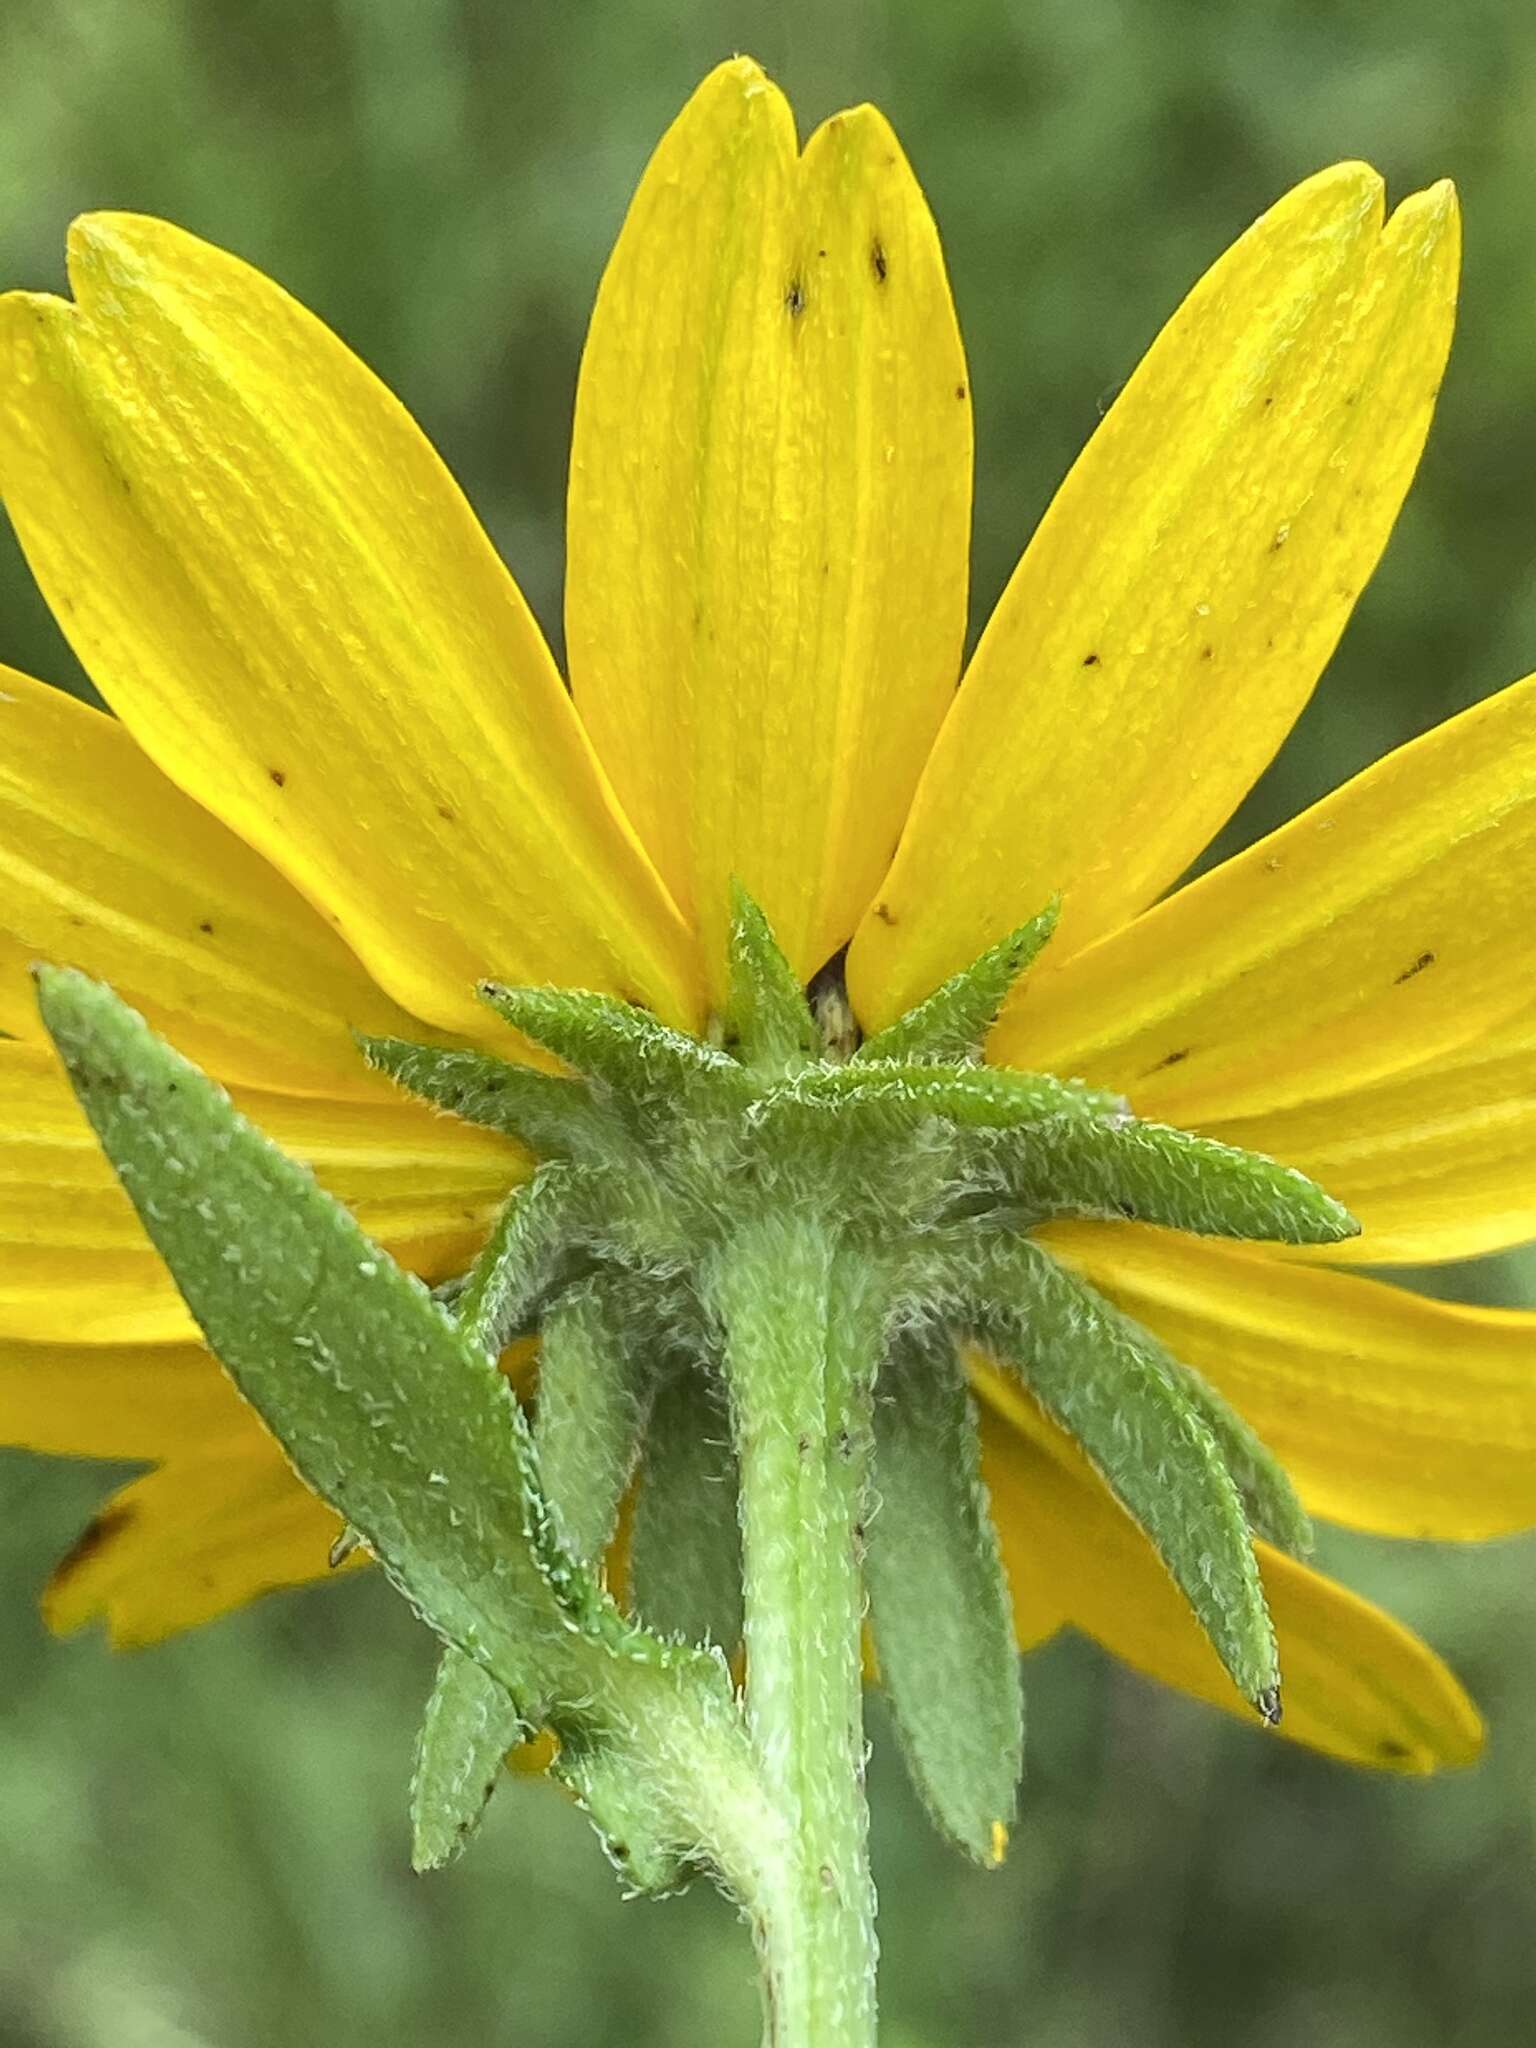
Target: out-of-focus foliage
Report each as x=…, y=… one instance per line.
x=208, y=1843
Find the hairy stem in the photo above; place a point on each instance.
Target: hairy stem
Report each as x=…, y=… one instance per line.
x=803, y=1320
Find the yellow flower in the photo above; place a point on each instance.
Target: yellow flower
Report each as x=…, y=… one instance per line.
x=347, y=780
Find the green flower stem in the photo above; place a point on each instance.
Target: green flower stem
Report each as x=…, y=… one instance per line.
x=803, y=1318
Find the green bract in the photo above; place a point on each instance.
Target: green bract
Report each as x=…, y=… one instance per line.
x=750, y=1262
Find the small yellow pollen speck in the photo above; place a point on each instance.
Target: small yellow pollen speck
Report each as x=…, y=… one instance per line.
x=999, y=1842
x=532, y=1758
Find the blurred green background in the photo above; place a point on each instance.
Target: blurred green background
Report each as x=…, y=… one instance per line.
x=206, y=1844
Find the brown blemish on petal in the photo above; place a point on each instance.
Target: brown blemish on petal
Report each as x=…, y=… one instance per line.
x=1207, y=653
x=1172, y=1059
x=448, y=816
x=879, y=263
x=885, y=913
x=205, y=926
x=93, y=1539
x=1424, y=960
x=278, y=776
x=1282, y=535
x=1090, y=661
x=794, y=298
x=959, y=391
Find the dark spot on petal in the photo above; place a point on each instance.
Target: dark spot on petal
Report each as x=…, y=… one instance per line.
x=448, y=816
x=1353, y=398
x=959, y=391
x=1391, y=1751
x=205, y=926
x=1269, y=400
x=878, y=262
x=1090, y=661
x=277, y=776
x=794, y=298
x=1207, y=653
x=885, y=913
x=1282, y=535
x=106, y=1528
x=821, y=253
x=1424, y=960
x=1171, y=1059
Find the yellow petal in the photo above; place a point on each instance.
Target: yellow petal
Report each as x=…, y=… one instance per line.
x=275, y=582
x=770, y=496
x=1356, y=1684
x=1388, y=924
x=75, y=1265
x=105, y=865
x=113, y=1401
x=1391, y=1412
x=193, y=1539
x=1435, y=1162
x=1185, y=589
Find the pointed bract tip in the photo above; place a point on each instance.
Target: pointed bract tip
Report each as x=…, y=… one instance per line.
x=1268, y=1704
x=1344, y=1222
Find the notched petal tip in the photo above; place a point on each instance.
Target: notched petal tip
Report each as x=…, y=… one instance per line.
x=1436, y=205
x=95, y=243
x=739, y=79
x=1356, y=188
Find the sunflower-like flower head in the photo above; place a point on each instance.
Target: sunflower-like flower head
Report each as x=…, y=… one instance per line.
x=348, y=806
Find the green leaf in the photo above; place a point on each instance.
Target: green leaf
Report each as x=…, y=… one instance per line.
x=768, y=1021
x=406, y=1428
x=469, y=1726
x=609, y=1041
x=1103, y=1379
x=953, y=1023
x=1152, y=1173
x=939, y=1605
x=555, y=1117
x=588, y=1415
x=685, y=1538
